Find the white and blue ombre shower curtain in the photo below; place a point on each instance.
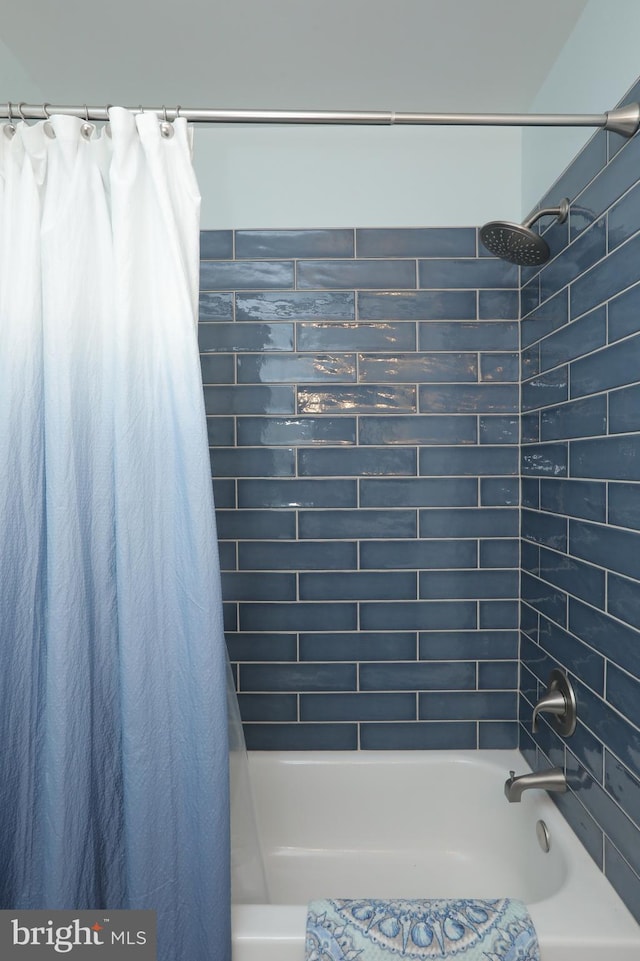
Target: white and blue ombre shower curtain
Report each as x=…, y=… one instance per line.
x=113, y=723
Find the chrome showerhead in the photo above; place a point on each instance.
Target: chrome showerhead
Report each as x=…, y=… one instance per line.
x=517, y=243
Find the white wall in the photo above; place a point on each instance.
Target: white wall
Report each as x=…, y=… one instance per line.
x=297, y=177
x=597, y=65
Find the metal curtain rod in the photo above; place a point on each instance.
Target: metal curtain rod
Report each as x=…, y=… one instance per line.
x=623, y=120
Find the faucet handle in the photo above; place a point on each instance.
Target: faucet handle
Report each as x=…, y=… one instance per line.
x=560, y=701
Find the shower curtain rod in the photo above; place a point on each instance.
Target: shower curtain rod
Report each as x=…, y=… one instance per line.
x=622, y=120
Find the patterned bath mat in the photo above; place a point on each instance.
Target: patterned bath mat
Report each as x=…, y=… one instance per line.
x=377, y=930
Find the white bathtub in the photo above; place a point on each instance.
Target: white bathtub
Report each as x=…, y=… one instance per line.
x=420, y=824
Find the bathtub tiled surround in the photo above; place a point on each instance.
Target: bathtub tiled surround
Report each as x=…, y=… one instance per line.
x=581, y=500
x=362, y=391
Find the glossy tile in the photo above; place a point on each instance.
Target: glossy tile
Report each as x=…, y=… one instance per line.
x=367, y=524
x=297, y=556
x=239, y=586
x=461, y=335
x=498, y=615
x=421, y=305
x=551, y=387
x=437, y=368
x=586, y=499
x=301, y=737
x=545, y=460
x=249, y=400
x=270, y=492
x=443, y=585
x=416, y=242
x=624, y=410
x=416, y=615
x=359, y=646
x=295, y=305
x=417, y=429
x=499, y=491
x=607, y=278
x=476, y=461
x=499, y=305
x=297, y=677
x=381, y=335
x=268, y=707
x=608, y=458
x=499, y=429
x=573, y=261
x=419, y=492
x=418, y=554
x=358, y=274
x=623, y=599
x=233, y=338
x=357, y=462
x=613, y=366
x=425, y=736
x=499, y=368
x=550, y=315
x=360, y=399
x=271, y=244
x=623, y=313
x=580, y=418
x=296, y=616
x=574, y=577
x=360, y=585
x=468, y=398
x=571, y=341
x=467, y=705
x=468, y=645
x=357, y=707
x=425, y=676
x=498, y=676
x=624, y=505
x=546, y=529
x=296, y=368
x=216, y=244
x=217, y=369
x=296, y=431
x=469, y=522
x=261, y=647
x=622, y=786
x=499, y=553
x=609, y=637
x=215, y=307
x=574, y=655
x=252, y=462
x=234, y=275
x=473, y=273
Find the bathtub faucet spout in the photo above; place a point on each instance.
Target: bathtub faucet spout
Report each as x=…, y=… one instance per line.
x=551, y=780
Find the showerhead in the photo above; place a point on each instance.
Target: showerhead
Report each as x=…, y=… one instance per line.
x=517, y=243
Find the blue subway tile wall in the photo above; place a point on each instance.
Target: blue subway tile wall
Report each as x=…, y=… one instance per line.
x=580, y=588
x=361, y=389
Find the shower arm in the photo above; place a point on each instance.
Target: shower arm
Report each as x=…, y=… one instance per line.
x=623, y=120
x=561, y=212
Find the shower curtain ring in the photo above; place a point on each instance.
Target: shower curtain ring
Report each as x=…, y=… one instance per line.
x=9, y=128
x=47, y=125
x=86, y=113
x=22, y=116
x=178, y=109
x=166, y=129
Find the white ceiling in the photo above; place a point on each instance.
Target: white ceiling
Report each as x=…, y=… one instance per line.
x=432, y=55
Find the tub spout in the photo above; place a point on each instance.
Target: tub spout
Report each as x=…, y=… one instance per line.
x=551, y=780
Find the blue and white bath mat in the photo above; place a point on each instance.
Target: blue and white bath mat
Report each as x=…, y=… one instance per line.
x=376, y=930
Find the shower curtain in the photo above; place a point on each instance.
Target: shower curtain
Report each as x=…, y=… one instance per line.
x=113, y=723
